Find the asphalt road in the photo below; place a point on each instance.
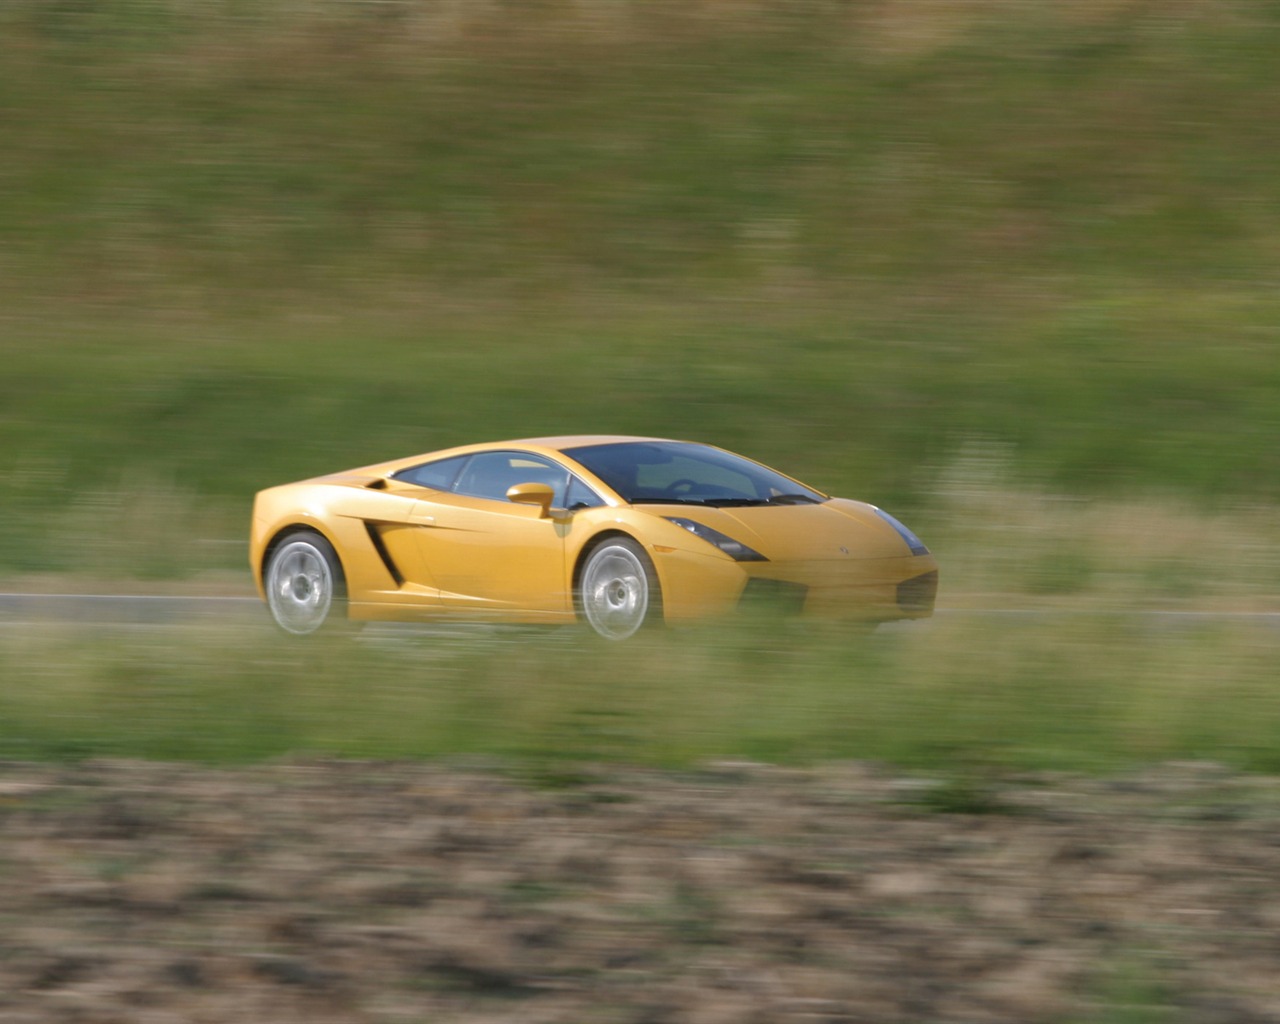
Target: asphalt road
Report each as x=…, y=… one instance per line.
x=126, y=609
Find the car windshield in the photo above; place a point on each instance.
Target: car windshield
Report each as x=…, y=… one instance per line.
x=682, y=473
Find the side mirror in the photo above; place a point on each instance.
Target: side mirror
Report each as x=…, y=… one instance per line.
x=533, y=494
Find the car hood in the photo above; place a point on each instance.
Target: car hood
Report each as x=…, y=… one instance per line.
x=836, y=528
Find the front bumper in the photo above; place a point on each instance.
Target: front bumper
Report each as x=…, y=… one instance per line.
x=858, y=589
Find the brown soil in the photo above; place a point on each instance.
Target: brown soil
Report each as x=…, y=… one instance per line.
x=339, y=892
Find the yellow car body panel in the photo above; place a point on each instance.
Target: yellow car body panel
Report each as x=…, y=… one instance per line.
x=411, y=552
x=491, y=554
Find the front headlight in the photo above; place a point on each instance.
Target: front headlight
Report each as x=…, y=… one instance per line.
x=913, y=542
x=736, y=550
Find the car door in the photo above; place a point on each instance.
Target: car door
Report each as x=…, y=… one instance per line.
x=488, y=554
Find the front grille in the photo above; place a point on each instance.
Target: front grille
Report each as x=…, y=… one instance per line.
x=776, y=596
x=918, y=593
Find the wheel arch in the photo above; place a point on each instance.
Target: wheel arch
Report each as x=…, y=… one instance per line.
x=290, y=530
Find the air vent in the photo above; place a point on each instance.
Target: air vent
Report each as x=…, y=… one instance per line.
x=918, y=593
x=375, y=538
x=777, y=596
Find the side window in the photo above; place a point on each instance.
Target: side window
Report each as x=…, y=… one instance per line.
x=491, y=474
x=437, y=475
x=581, y=496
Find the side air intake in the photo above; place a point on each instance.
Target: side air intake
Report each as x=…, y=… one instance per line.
x=375, y=538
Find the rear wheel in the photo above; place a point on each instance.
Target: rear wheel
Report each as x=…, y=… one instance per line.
x=304, y=583
x=618, y=591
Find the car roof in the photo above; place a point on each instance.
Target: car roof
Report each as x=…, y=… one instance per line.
x=564, y=441
x=543, y=444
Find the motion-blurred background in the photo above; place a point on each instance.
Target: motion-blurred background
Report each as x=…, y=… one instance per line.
x=1008, y=268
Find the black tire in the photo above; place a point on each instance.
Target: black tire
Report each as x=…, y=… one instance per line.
x=304, y=583
x=618, y=591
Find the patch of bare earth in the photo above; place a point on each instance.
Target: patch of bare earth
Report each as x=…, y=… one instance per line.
x=348, y=892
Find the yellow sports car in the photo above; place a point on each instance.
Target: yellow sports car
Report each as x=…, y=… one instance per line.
x=618, y=532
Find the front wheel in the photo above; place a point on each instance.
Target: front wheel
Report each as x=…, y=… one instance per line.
x=304, y=583
x=618, y=591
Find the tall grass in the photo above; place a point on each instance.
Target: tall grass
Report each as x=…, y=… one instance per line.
x=204, y=420
x=962, y=695
x=1005, y=539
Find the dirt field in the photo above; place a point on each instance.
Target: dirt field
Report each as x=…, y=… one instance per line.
x=318, y=892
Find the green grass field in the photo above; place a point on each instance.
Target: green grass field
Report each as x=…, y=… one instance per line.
x=1007, y=268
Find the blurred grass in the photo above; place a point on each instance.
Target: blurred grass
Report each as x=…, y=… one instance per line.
x=246, y=243
x=1008, y=542
x=1081, y=693
x=206, y=419
x=291, y=144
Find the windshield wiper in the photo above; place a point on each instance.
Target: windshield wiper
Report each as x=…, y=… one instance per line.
x=794, y=499
x=777, y=499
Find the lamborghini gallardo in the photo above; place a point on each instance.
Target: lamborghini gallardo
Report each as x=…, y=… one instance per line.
x=618, y=533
